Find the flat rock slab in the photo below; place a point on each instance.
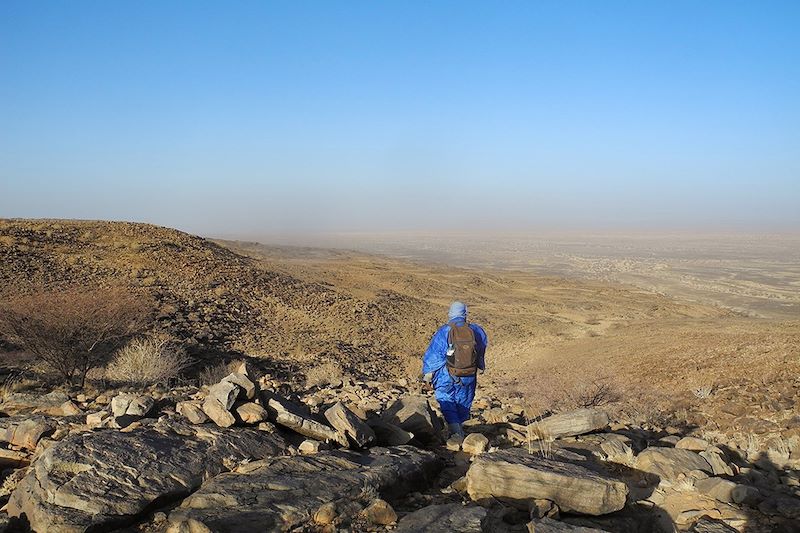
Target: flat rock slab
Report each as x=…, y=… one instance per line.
x=104, y=479
x=26, y=402
x=669, y=463
x=570, y=424
x=517, y=477
x=287, y=414
x=348, y=424
x=414, y=414
x=25, y=432
x=388, y=434
x=445, y=518
x=281, y=493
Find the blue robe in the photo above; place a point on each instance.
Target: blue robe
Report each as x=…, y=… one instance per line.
x=454, y=395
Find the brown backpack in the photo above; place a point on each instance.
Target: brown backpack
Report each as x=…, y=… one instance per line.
x=462, y=352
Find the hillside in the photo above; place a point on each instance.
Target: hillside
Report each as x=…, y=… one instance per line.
x=208, y=295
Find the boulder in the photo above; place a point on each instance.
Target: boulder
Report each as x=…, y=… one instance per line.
x=218, y=413
x=719, y=466
x=192, y=411
x=225, y=392
x=746, y=494
x=349, y=425
x=251, y=413
x=28, y=402
x=380, y=513
x=131, y=405
x=326, y=514
x=388, y=434
x=454, y=442
x=517, y=477
x=310, y=447
x=692, y=443
x=717, y=488
x=248, y=388
x=285, y=413
x=25, y=432
x=414, y=414
x=103, y=480
x=445, y=518
x=669, y=463
x=69, y=408
x=548, y=525
x=669, y=440
x=475, y=444
x=569, y=424
x=283, y=493
x=97, y=419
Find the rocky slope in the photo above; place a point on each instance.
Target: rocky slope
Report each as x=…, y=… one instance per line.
x=366, y=456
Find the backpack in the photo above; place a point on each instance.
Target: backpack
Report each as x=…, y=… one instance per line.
x=462, y=351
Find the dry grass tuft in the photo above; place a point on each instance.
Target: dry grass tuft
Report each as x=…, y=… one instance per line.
x=323, y=374
x=148, y=361
x=213, y=374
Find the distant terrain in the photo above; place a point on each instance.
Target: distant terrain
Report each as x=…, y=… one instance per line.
x=757, y=275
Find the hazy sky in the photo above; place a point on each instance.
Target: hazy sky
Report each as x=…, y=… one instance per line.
x=265, y=117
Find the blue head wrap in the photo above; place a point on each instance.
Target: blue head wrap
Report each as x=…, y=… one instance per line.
x=457, y=310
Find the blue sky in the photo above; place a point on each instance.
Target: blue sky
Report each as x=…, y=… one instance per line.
x=268, y=117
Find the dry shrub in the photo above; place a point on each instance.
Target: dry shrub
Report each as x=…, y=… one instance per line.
x=213, y=374
x=75, y=330
x=148, y=361
x=323, y=374
x=651, y=407
x=561, y=390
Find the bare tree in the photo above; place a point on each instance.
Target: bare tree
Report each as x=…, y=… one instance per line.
x=75, y=330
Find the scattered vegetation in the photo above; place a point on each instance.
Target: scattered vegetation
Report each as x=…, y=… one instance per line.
x=214, y=373
x=323, y=374
x=564, y=389
x=703, y=392
x=148, y=361
x=75, y=330
x=18, y=380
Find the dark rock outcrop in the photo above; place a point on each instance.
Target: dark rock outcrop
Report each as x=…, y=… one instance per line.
x=280, y=493
x=106, y=478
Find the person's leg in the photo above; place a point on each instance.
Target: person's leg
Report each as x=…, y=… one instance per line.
x=464, y=397
x=445, y=393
